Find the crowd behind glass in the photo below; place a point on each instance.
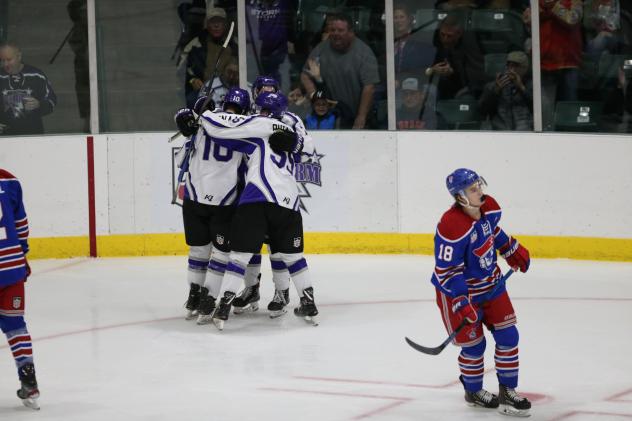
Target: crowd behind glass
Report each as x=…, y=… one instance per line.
x=458, y=64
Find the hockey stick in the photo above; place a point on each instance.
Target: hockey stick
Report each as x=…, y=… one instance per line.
x=213, y=76
x=437, y=350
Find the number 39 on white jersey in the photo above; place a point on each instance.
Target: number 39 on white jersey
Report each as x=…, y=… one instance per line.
x=270, y=176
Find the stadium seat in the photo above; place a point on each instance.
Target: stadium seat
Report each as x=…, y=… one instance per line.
x=578, y=116
x=609, y=65
x=494, y=64
x=459, y=114
x=427, y=20
x=498, y=31
x=488, y=20
x=361, y=17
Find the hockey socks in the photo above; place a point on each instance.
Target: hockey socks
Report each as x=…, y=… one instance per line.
x=300, y=275
x=21, y=347
x=198, y=261
x=253, y=270
x=472, y=368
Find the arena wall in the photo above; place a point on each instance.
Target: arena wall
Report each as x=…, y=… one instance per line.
x=563, y=195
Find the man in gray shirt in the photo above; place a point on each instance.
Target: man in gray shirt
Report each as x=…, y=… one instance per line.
x=346, y=66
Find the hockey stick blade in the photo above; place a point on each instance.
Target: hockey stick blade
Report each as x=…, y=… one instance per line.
x=426, y=350
x=437, y=350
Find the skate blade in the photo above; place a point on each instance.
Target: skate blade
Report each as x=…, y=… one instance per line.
x=476, y=405
x=313, y=320
x=192, y=314
x=31, y=403
x=250, y=307
x=278, y=313
x=203, y=320
x=513, y=412
x=219, y=323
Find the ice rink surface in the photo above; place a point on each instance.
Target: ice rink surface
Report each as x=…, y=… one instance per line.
x=111, y=343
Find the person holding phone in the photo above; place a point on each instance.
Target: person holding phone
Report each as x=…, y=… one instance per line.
x=508, y=100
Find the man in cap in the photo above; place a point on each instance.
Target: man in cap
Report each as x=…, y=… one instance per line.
x=508, y=100
x=417, y=110
x=202, y=52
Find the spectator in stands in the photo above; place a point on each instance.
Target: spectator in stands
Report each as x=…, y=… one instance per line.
x=323, y=35
x=78, y=41
x=347, y=66
x=411, y=55
x=560, y=53
x=298, y=103
x=273, y=21
x=418, y=109
x=202, y=52
x=508, y=101
x=222, y=83
x=617, y=110
x=459, y=63
x=323, y=115
x=603, y=27
x=26, y=95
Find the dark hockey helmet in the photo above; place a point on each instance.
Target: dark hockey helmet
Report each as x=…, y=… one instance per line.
x=274, y=103
x=199, y=106
x=239, y=97
x=462, y=178
x=262, y=81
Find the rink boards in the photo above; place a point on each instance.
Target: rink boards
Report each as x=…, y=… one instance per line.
x=363, y=192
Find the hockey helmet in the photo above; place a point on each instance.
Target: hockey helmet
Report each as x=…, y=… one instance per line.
x=462, y=178
x=262, y=81
x=199, y=107
x=275, y=103
x=239, y=97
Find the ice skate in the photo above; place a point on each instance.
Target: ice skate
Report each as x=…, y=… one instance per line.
x=192, y=302
x=248, y=299
x=280, y=300
x=307, y=310
x=28, y=391
x=220, y=315
x=206, y=307
x=482, y=398
x=511, y=403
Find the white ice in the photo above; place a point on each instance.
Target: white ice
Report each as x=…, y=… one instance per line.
x=111, y=343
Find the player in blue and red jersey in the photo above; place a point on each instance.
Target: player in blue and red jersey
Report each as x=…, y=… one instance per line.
x=14, y=269
x=466, y=278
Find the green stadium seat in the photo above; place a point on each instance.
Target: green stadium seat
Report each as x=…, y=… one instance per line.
x=609, y=65
x=578, y=116
x=427, y=20
x=361, y=17
x=498, y=31
x=489, y=20
x=459, y=114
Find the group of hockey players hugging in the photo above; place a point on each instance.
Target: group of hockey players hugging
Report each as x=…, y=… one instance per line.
x=240, y=192
x=237, y=167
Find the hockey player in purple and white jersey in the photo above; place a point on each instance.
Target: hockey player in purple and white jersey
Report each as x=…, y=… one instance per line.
x=280, y=274
x=268, y=205
x=14, y=269
x=466, y=278
x=211, y=175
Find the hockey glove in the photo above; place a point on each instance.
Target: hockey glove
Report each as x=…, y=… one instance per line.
x=185, y=120
x=462, y=306
x=516, y=255
x=283, y=141
x=28, y=269
x=199, y=107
